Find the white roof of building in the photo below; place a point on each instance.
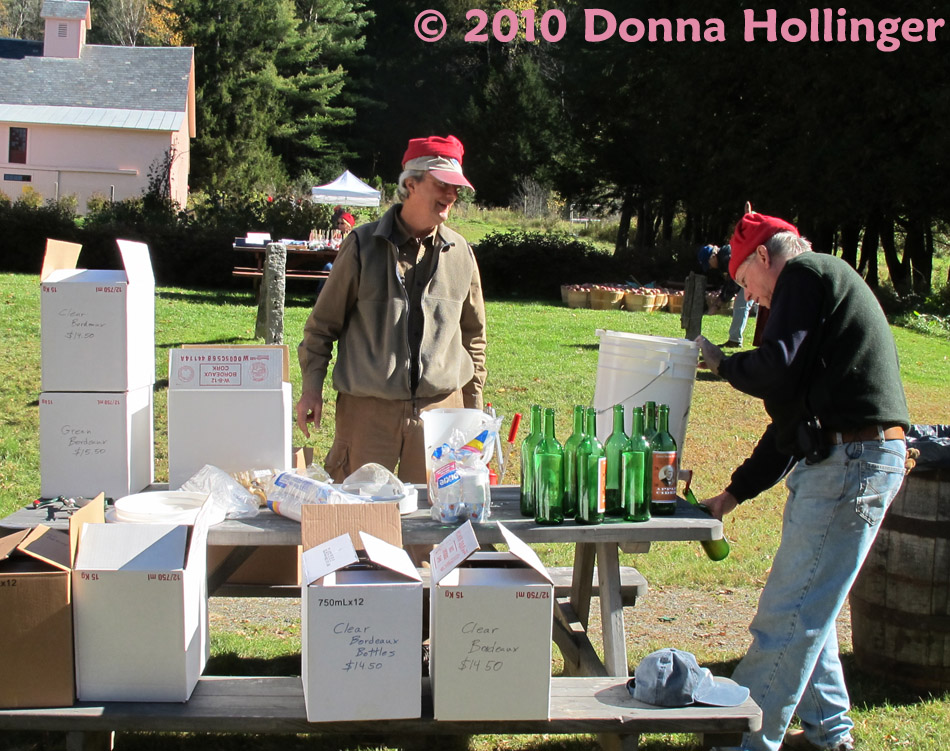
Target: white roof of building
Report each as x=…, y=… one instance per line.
x=37, y=114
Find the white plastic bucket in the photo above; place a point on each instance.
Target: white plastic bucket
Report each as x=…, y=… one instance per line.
x=159, y=507
x=634, y=368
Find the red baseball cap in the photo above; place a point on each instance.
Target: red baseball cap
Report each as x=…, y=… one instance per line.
x=440, y=156
x=752, y=231
x=348, y=218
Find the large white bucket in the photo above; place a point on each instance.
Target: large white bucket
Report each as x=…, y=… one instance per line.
x=633, y=369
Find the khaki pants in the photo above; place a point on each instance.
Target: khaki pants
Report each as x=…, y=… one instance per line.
x=388, y=433
x=383, y=431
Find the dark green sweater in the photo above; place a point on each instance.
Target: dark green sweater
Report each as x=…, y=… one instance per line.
x=827, y=351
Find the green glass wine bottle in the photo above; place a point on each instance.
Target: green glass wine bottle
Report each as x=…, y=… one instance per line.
x=549, y=475
x=616, y=443
x=591, y=475
x=528, y=445
x=570, y=463
x=636, y=460
x=717, y=550
x=649, y=420
x=664, y=465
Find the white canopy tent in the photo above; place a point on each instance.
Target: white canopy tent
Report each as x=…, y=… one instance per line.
x=346, y=190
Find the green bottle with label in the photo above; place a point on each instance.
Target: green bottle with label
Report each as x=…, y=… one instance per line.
x=570, y=463
x=664, y=467
x=591, y=475
x=549, y=475
x=528, y=445
x=636, y=461
x=617, y=442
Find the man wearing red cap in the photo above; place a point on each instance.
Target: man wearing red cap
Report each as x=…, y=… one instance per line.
x=828, y=374
x=404, y=305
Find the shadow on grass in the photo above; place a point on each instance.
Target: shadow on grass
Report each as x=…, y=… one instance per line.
x=212, y=296
x=868, y=692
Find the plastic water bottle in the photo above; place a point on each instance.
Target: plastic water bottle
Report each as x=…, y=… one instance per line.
x=288, y=492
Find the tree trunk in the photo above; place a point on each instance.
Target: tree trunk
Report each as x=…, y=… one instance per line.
x=900, y=277
x=669, y=214
x=645, y=237
x=868, y=266
x=916, y=251
x=850, y=234
x=622, y=248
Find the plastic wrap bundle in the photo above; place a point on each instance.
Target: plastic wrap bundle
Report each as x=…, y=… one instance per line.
x=288, y=492
x=458, y=481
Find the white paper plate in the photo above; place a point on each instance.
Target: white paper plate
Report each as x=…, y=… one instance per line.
x=163, y=507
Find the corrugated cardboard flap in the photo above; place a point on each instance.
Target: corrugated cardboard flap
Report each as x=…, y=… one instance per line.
x=11, y=542
x=138, y=264
x=59, y=255
x=524, y=551
x=322, y=522
x=389, y=556
x=92, y=513
x=452, y=551
x=48, y=545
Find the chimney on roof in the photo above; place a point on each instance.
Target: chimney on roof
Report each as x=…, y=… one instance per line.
x=66, y=24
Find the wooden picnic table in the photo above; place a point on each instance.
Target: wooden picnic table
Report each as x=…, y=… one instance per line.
x=597, y=545
x=302, y=262
x=591, y=698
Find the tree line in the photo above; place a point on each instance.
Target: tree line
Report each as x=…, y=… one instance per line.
x=845, y=139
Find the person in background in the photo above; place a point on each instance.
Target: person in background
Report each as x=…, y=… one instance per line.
x=828, y=373
x=345, y=223
x=404, y=306
x=712, y=257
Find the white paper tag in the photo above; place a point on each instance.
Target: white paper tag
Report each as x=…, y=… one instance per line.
x=452, y=551
x=323, y=559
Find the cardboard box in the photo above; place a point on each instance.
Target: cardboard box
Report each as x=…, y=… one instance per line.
x=140, y=610
x=231, y=407
x=490, y=632
x=97, y=327
x=270, y=564
x=92, y=442
x=36, y=617
x=361, y=622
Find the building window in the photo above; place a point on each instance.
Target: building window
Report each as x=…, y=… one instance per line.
x=18, y=178
x=18, y=145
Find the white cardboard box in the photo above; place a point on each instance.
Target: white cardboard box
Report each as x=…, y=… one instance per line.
x=231, y=407
x=97, y=327
x=490, y=632
x=92, y=442
x=361, y=623
x=140, y=610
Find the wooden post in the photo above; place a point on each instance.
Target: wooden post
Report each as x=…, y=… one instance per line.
x=694, y=304
x=270, y=309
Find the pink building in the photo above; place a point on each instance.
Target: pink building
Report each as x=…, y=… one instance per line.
x=83, y=119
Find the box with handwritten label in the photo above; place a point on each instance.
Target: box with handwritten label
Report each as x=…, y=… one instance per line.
x=92, y=442
x=490, y=630
x=97, y=327
x=230, y=407
x=361, y=615
x=140, y=609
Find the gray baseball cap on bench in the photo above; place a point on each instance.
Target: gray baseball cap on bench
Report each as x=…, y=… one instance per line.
x=672, y=678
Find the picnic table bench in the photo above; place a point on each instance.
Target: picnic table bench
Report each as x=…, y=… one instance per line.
x=275, y=705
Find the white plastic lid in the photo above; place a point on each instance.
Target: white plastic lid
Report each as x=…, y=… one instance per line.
x=162, y=507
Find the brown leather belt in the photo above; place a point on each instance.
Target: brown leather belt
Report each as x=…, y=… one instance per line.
x=869, y=433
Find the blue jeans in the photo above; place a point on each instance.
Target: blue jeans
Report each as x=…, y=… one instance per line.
x=740, y=315
x=832, y=514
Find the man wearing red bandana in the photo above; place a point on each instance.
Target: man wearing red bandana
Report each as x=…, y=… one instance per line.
x=404, y=306
x=828, y=374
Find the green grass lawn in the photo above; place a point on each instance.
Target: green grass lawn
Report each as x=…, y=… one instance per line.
x=538, y=353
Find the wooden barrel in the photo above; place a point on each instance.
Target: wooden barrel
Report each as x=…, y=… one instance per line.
x=900, y=603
